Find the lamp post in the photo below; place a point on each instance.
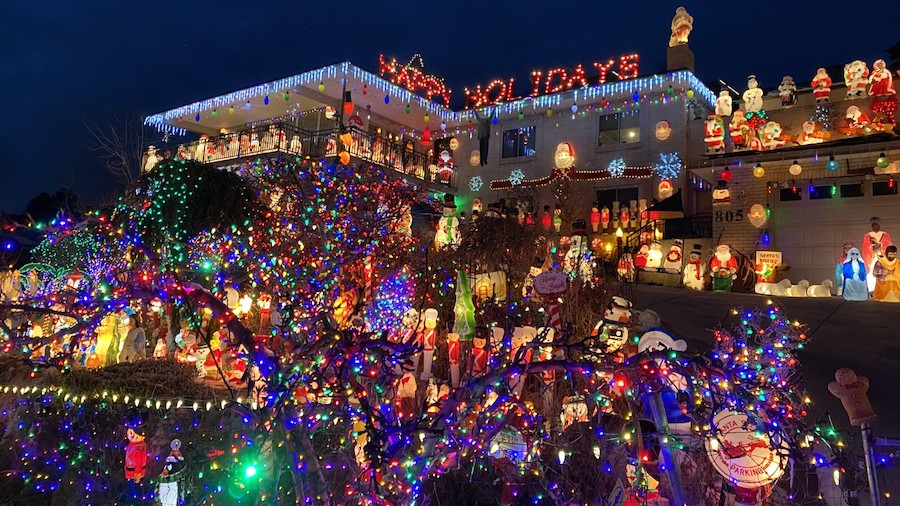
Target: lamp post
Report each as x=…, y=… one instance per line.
x=619, y=235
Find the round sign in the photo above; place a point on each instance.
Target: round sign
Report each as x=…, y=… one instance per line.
x=454, y=143
x=757, y=215
x=663, y=130
x=741, y=454
x=550, y=283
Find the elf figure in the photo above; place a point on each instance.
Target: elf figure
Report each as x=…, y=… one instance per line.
x=695, y=270
x=595, y=219
x=478, y=359
x=535, y=269
x=135, y=462
x=170, y=490
x=429, y=339
x=454, y=357
x=787, y=90
x=557, y=218
x=548, y=378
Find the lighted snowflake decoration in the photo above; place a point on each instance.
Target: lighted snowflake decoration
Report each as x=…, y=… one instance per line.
x=668, y=166
x=516, y=177
x=476, y=183
x=616, y=167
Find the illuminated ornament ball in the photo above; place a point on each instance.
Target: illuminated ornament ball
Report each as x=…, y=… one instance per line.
x=759, y=171
x=617, y=167
x=795, y=169
x=476, y=183
x=516, y=177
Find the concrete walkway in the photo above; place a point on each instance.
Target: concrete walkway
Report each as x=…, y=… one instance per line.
x=864, y=336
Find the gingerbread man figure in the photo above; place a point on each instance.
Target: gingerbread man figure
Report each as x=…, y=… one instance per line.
x=851, y=390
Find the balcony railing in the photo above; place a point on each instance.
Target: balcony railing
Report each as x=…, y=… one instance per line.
x=291, y=140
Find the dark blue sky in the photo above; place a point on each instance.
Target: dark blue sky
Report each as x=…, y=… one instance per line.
x=66, y=62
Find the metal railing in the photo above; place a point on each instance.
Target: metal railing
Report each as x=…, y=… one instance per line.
x=290, y=140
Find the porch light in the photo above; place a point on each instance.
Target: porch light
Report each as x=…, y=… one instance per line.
x=619, y=233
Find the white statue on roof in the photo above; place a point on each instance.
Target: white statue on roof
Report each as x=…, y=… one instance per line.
x=682, y=24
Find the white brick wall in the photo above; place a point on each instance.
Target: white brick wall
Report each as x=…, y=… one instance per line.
x=583, y=133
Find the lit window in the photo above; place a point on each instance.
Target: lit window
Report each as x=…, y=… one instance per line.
x=620, y=128
x=519, y=142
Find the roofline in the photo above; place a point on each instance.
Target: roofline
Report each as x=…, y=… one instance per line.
x=161, y=120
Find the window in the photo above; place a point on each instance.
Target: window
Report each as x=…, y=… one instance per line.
x=518, y=142
x=884, y=187
x=788, y=194
x=620, y=128
x=623, y=196
x=821, y=192
x=512, y=205
x=851, y=190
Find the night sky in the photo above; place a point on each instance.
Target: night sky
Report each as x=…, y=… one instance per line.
x=66, y=62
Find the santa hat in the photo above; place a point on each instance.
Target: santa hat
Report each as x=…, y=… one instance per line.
x=697, y=250
x=723, y=245
x=567, y=146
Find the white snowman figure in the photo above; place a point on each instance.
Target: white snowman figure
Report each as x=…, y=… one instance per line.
x=654, y=256
x=753, y=97
x=565, y=156
x=787, y=90
x=694, y=270
x=657, y=340
x=723, y=103
x=448, y=226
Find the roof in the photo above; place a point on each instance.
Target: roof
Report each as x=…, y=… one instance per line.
x=325, y=86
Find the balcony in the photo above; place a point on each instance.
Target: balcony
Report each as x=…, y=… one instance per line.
x=280, y=139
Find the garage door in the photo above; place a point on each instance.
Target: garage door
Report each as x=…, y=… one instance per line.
x=810, y=232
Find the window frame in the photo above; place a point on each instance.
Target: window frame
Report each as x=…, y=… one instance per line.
x=521, y=150
x=620, y=116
